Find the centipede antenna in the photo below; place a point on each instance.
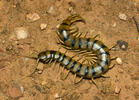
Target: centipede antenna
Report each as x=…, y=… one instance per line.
x=28, y=57
x=77, y=81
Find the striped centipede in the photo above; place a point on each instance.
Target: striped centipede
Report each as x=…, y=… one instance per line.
x=81, y=70
x=67, y=35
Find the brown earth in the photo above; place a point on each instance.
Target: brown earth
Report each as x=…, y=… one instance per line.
x=102, y=17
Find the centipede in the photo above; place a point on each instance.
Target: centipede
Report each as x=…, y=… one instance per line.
x=77, y=68
x=70, y=39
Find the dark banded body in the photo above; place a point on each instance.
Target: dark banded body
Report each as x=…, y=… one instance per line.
x=70, y=64
x=89, y=44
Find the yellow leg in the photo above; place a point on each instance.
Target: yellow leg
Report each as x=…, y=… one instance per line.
x=50, y=61
x=77, y=81
x=111, y=67
x=59, y=41
x=85, y=34
x=74, y=30
x=105, y=76
x=114, y=58
x=58, y=67
x=94, y=82
x=98, y=35
x=78, y=34
x=67, y=73
x=113, y=47
x=34, y=68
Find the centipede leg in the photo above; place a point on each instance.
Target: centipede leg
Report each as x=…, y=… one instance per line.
x=113, y=58
x=92, y=79
x=105, y=76
x=98, y=35
x=77, y=35
x=85, y=34
x=113, y=47
x=111, y=66
x=35, y=69
x=67, y=73
x=75, y=82
x=74, y=30
x=59, y=41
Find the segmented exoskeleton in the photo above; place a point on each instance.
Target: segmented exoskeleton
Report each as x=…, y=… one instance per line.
x=67, y=35
x=82, y=70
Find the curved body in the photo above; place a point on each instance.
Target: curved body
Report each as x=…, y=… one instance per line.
x=72, y=65
x=65, y=35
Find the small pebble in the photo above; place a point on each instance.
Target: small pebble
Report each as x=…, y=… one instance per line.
x=96, y=98
x=51, y=10
x=40, y=67
x=26, y=59
x=44, y=83
x=57, y=26
x=120, y=70
x=15, y=92
x=119, y=61
x=3, y=41
x=122, y=44
x=40, y=72
x=43, y=26
x=114, y=24
x=9, y=47
x=117, y=90
x=137, y=38
x=33, y=17
x=21, y=33
x=56, y=96
x=22, y=89
x=122, y=16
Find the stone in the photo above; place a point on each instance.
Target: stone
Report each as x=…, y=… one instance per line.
x=119, y=61
x=33, y=17
x=122, y=16
x=21, y=33
x=15, y=92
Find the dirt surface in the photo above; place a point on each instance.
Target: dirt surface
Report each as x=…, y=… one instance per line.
x=102, y=17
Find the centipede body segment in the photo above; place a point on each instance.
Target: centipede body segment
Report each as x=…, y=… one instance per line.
x=67, y=39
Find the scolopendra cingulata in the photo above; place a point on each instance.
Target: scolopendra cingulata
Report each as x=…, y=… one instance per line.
x=67, y=35
x=81, y=70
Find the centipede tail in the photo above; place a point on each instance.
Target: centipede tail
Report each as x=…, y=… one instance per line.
x=73, y=42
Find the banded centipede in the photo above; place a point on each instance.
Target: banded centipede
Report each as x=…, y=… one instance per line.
x=67, y=36
x=82, y=70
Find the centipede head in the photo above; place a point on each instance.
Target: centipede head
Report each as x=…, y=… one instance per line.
x=43, y=57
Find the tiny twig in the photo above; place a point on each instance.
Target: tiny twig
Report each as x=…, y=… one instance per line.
x=137, y=24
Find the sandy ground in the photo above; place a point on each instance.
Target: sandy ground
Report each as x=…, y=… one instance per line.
x=102, y=17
